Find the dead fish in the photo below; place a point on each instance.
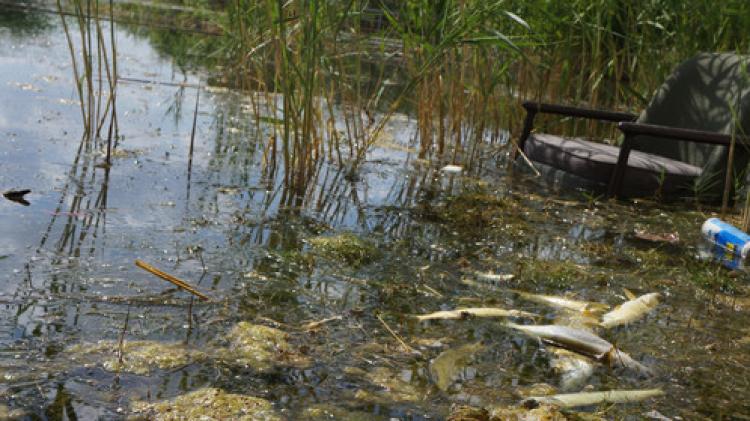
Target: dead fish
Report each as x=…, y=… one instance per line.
x=630, y=311
x=569, y=400
x=561, y=302
x=452, y=169
x=583, y=342
x=576, y=319
x=494, y=278
x=462, y=313
x=444, y=367
x=17, y=196
x=574, y=369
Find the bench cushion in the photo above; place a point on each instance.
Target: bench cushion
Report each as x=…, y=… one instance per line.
x=646, y=175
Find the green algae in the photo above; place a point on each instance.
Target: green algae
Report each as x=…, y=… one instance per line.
x=444, y=367
x=7, y=414
x=260, y=347
x=348, y=247
x=138, y=357
x=468, y=413
x=503, y=413
x=209, y=404
x=541, y=413
x=554, y=273
x=477, y=212
x=392, y=388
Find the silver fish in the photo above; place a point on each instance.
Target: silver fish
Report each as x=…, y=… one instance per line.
x=583, y=342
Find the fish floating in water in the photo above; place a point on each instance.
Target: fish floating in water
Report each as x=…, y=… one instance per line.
x=630, y=311
x=582, y=342
x=574, y=369
x=452, y=169
x=462, y=313
x=569, y=400
x=564, y=303
x=494, y=278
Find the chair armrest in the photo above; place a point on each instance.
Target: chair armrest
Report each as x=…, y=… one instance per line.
x=632, y=130
x=532, y=108
x=540, y=107
x=700, y=136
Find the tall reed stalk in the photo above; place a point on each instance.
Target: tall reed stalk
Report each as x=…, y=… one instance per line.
x=325, y=69
x=94, y=65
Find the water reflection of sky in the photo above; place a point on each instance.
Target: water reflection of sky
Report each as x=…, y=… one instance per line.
x=85, y=224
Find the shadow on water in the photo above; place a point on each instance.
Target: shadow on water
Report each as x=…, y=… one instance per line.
x=328, y=280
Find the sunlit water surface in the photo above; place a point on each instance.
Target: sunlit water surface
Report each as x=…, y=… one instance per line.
x=67, y=276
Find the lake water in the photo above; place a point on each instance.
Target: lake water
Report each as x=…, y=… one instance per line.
x=363, y=254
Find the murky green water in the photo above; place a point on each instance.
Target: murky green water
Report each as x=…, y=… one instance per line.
x=362, y=255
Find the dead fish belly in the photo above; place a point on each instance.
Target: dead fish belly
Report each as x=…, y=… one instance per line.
x=631, y=310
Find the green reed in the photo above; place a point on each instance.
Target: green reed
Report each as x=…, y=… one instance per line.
x=462, y=66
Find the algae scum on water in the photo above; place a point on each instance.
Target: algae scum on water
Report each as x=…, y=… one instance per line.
x=396, y=288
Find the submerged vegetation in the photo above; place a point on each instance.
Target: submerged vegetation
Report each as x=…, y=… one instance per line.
x=460, y=292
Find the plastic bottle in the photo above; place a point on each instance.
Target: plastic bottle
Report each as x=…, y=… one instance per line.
x=729, y=245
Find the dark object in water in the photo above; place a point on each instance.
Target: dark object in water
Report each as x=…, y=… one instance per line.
x=679, y=146
x=17, y=196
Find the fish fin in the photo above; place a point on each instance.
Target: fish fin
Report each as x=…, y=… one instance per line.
x=629, y=294
x=594, y=309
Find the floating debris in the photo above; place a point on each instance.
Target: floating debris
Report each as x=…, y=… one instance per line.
x=583, y=342
x=12, y=414
x=540, y=413
x=462, y=313
x=630, y=311
x=260, y=347
x=444, y=367
x=593, y=398
x=138, y=357
x=452, y=169
x=325, y=412
x=562, y=302
x=167, y=277
x=672, y=238
x=394, y=388
x=468, y=413
x=535, y=389
x=209, y=404
x=17, y=196
x=319, y=323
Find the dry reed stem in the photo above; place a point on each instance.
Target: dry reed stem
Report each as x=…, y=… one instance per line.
x=167, y=277
x=398, y=338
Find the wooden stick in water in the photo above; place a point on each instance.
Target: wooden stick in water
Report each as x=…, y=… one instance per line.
x=167, y=277
x=398, y=338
